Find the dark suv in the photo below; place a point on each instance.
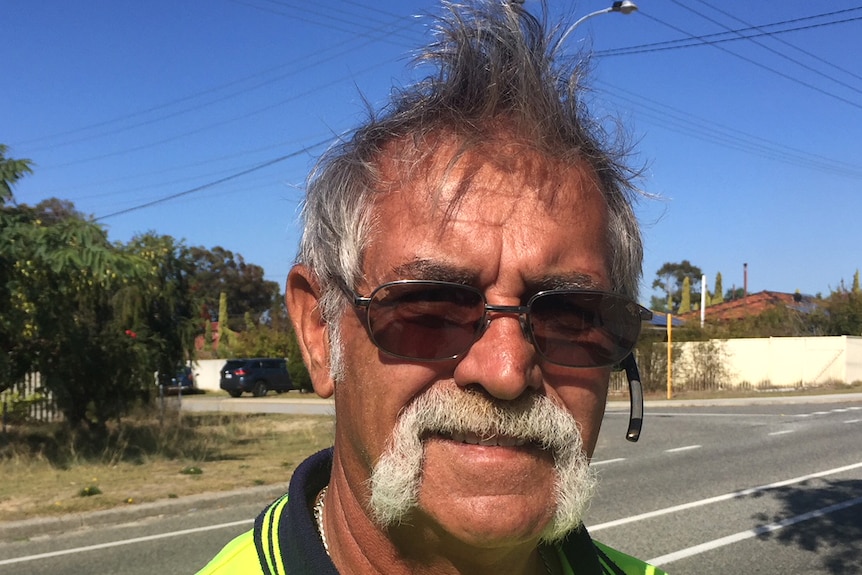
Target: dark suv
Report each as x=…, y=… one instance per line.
x=256, y=376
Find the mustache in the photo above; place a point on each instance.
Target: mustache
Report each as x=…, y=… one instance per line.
x=530, y=418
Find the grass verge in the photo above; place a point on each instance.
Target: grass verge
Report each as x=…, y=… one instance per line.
x=50, y=470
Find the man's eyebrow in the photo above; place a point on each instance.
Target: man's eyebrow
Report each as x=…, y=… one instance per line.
x=573, y=280
x=424, y=269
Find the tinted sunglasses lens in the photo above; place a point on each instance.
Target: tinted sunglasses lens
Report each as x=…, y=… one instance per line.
x=426, y=321
x=584, y=329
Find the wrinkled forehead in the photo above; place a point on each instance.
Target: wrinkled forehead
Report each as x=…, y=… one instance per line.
x=442, y=170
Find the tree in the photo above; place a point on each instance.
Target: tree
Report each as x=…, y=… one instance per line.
x=220, y=271
x=856, y=289
x=10, y=172
x=685, y=297
x=718, y=295
x=670, y=278
x=734, y=293
x=164, y=306
x=840, y=313
x=226, y=335
x=94, y=318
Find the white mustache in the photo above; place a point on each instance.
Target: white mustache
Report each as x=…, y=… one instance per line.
x=473, y=417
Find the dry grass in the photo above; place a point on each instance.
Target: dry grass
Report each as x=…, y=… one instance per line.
x=47, y=470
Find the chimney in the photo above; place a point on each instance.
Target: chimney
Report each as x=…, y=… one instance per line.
x=745, y=280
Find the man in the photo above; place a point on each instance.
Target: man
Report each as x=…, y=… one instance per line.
x=465, y=286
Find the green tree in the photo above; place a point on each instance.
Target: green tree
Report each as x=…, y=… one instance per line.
x=223, y=330
x=685, y=297
x=164, y=306
x=63, y=274
x=734, y=293
x=840, y=313
x=670, y=278
x=94, y=318
x=718, y=294
x=11, y=171
x=218, y=271
x=856, y=288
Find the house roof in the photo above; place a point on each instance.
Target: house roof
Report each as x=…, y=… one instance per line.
x=753, y=305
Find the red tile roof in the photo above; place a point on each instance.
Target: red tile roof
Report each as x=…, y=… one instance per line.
x=750, y=305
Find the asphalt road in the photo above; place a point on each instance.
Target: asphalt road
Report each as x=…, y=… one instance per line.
x=723, y=488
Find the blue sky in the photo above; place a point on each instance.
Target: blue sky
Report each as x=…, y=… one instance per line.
x=200, y=120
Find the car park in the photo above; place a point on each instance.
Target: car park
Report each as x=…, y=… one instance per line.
x=257, y=376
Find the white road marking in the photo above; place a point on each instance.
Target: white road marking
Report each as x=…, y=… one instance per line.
x=853, y=421
x=686, y=448
x=757, y=531
x=606, y=461
x=720, y=498
x=122, y=542
x=783, y=432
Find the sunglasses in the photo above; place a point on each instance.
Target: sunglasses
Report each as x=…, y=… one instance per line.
x=424, y=320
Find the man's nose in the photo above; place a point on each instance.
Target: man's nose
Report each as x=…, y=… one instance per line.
x=503, y=361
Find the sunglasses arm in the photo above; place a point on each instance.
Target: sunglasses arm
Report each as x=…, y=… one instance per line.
x=636, y=397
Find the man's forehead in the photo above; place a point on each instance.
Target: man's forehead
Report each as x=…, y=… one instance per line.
x=445, y=167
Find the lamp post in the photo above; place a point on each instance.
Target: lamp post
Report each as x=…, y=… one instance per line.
x=621, y=6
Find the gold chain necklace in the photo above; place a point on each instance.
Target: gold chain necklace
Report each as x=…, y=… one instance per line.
x=318, y=517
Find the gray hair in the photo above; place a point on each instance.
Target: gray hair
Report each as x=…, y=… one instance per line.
x=495, y=63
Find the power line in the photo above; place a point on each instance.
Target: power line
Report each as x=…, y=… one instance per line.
x=721, y=37
x=234, y=176
x=678, y=121
x=758, y=64
x=765, y=47
x=384, y=31
x=788, y=44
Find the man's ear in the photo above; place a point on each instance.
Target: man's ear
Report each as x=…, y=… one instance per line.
x=302, y=297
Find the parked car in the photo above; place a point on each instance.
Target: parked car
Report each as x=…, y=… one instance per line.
x=183, y=380
x=256, y=376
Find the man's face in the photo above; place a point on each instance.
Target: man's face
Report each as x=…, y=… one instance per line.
x=523, y=223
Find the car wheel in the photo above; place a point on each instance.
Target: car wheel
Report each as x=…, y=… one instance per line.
x=235, y=393
x=259, y=389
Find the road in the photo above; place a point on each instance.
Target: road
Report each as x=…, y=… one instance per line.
x=708, y=489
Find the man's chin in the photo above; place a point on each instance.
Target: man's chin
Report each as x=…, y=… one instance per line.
x=492, y=493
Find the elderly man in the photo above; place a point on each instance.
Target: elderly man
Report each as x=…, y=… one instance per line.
x=464, y=288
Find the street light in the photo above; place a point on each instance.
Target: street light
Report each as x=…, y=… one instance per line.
x=621, y=6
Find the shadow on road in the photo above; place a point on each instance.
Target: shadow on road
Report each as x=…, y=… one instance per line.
x=829, y=514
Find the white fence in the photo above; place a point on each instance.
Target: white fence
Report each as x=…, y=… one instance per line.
x=27, y=399
x=207, y=373
x=778, y=362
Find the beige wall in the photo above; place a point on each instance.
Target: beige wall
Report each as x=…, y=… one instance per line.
x=790, y=361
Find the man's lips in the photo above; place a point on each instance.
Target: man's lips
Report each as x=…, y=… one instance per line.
x=488, y=441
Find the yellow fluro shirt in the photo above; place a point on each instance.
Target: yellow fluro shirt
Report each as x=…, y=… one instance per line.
x=239, y=557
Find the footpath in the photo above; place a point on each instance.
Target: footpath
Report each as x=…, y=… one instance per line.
x=40, y=526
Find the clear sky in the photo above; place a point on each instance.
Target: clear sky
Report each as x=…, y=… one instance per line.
x=200, y=119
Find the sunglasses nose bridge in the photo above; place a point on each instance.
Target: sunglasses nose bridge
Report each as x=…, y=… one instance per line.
x=494, y=311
